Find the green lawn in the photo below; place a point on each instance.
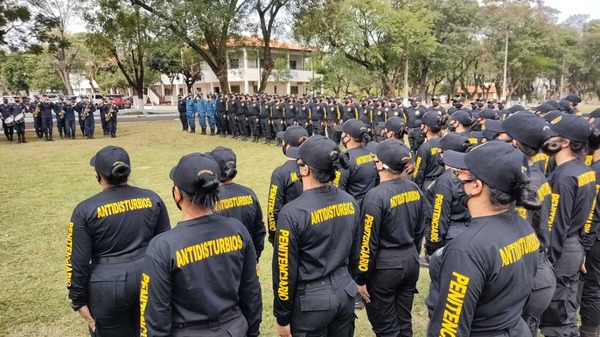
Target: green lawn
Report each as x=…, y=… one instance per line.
x=43, y=181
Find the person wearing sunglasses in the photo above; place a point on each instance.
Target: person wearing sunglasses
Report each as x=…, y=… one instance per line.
x=316, y=248
x=428, y=165
x=530, y=134
x=391, y=215
x=486, y=274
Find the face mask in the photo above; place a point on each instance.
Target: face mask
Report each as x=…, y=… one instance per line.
x=176, y=203
x=413, y=104
x=451, y=128
x=345, y=143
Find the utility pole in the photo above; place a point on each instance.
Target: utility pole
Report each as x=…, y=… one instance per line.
x=562, y=79
x=505, y=66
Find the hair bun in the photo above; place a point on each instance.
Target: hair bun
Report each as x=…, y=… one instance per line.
x=342, y=160
x=120, y=170
x=527, y=196
x=207, y=183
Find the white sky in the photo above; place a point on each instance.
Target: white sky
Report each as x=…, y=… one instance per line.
x=571, y=7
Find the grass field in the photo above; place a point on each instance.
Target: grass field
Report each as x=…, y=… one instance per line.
x=44, y=181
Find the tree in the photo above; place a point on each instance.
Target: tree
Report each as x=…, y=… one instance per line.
x=121, y=33
x=13, y=15
x=43, y=77
x=16, y=72
x=267, y=13
x=51, y=20
x=208, y=26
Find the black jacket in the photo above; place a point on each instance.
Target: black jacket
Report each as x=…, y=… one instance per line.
x=114, y=222
x=285, y=186
x=240, y=202
x=317, y=234
x=391, y=218
x=196, y=272
x=428, y=164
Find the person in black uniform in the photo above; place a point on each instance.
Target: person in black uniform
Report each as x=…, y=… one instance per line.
x=332, y=118
x=102, y=109
x=266, y=110
x=291, y=110
x=360, y=176
x=6, y=112
x=181, y=107
x=199, y=279
x=278, y=117
x=484, y=276
x=46, y=108
x=232, y=108
x=415, y=112
x=285, y=183
x=461, y=122
x=573, y=187
x=446, y=215
x=304, y=111
x=590, y=297
x=457, y=104
x=69, y=111
x=237, y=201
x=19, y=108
x=380, y=115
x=392, y=225
x=573, y=100
x=254, y=119
x=87, y=108
x=34, y=108
x=529, y=134
x=222, y=105
x=394, y=127
x=110, y=117
x=428, y=164
x=241, y=118
x=106, y=241
x=435, y=105
x=312, y=284
x=317, y=117
x=60, y=117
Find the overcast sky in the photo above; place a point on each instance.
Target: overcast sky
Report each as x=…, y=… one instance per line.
x=570, y=7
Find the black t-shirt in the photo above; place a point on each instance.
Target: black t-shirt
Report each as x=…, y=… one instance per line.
x=117, y=221
x=196, y=272
x=285, y=186
x=361, y=176
x=428, y=164
x=486, y=275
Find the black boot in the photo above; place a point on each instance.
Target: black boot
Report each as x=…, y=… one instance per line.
x=18, y=138
x=113, y=135
x=244, y=138
x=204, y=130
x=223, y=135
x=589, y=332
x=212, y=132
x=193, y=130
x=23, y=138
x=268, y=142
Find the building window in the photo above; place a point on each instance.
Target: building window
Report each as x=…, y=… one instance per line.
x=255, y=89
x=181, y=91
x=235, y=89
x=234, y=63
x=293, y=90
x=292, y=64
x=275, y=90
x=261, y=63
x=168, y=92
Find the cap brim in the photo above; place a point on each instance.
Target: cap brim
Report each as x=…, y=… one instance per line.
x=372, y=146
x=280, y=134
x=293, y=152
x=339, y=128
x=455, y=159
x=172, y=173
x=93, y=161
x=419, y=122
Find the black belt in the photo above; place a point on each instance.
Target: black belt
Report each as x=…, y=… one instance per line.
x=340, y=273
x=129, y=257
x=208, y=323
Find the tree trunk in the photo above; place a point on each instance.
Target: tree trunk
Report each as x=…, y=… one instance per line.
x=405, y=100
x=268, y=65
x=387, y=89
x=423, y=81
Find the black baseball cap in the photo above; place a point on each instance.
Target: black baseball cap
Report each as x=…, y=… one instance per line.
x=455, y=142
x=553, y=103
x=528, y=129
x=564, y=105
x=462, y=116
x=223, y=155
x=353, y=127
x=595, y=113
x=393, y=154
x=573, y=98
x=516, y=108
x=571, y=127
x=544, y=108
x=487, y=114
x=317, y=151
x=552, y=115
x=108, y=158
x=394, y=124
x=292, y=135
x=191, y=168
x=505, y=177
x=493, y=125
x=430, y=118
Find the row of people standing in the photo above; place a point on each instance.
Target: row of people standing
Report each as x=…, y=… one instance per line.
x=66, y=113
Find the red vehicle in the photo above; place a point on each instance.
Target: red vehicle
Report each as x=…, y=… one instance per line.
x=121, y=101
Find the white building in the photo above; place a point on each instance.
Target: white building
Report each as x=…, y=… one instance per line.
x=245, y=69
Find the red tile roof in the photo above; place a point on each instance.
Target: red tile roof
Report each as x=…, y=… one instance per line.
x=253, y=41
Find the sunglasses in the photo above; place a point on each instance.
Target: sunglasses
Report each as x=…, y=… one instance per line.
x=456, y=173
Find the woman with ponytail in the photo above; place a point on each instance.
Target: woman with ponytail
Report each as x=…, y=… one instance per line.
x=529, y=133
x=482, y=279
x=237, y=201
x=388, y=268
x=316, y=248
x=428, y=164
x=360, y=176
x=106, y=241
x=573, y=186
x=200, y=277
